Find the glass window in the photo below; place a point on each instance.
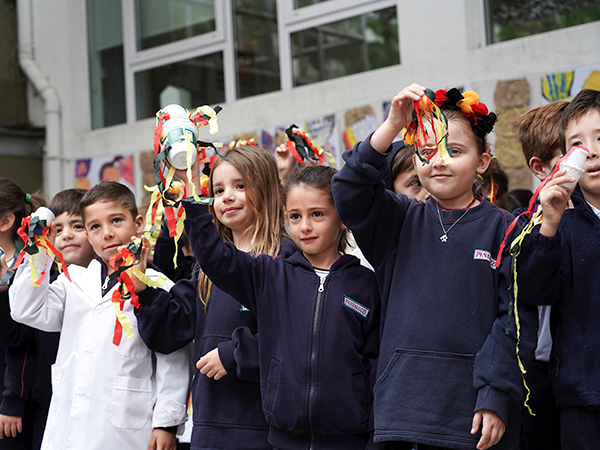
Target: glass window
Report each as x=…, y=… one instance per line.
x=510, y=19
x=160, y=22
x=256, y=47
x=107, y=75
x=192, y=83
x=303, y=3
x=353, y=45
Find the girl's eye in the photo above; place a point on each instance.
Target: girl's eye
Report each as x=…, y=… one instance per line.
x=218, y=191
x=454, y=151
x=294, y=216
x=94, y=227
x=318, y=214
x=240, y=187
x=576, y=143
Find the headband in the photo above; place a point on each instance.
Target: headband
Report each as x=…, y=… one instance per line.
x=482, y=120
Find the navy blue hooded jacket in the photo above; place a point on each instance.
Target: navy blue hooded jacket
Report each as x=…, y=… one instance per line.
x=563, y=271
x=227, y=413
x=318, y=338
x=445, y=309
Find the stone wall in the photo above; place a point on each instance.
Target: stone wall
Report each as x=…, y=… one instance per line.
x=511, y=99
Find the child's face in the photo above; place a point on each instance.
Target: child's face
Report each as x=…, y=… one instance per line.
x=451, y=185
x=408, y=183
x=230, y=204
x=109, y=226
x=72, y=240
x=586, y=132
x=314, y=224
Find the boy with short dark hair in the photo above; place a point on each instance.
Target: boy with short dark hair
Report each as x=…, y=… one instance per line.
x=558, y=264
x=104, y=395
x=71, y=238
x=538, y=134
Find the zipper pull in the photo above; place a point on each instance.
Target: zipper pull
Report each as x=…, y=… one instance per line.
x=321, y=288
x=105, y=285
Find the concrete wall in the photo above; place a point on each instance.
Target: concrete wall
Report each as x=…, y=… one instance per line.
x=441, y=46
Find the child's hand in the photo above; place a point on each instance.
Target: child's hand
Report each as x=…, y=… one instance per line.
x=162, y=440
x=286, y=163
x=10, y=426
x=141, y=264
x=554, y=198
x=492, y=430
x=211, y=366
x=401, y=110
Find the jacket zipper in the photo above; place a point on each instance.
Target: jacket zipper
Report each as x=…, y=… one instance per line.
x=313, y=361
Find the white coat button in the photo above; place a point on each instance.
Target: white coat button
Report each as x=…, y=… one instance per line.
x=99, y=309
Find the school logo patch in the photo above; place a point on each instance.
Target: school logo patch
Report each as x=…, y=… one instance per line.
x=486, y=256
x=356, y=307
x=243, y=308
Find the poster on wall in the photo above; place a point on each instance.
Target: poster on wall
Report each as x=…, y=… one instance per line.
x=360, y=123
x=92, y=171
x=566, y=85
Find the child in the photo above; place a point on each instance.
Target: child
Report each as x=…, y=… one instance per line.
x=71, y=238
x=25, y=353
x=557, y=266
x=537, y=131
x=404, y=174
x=444, y=353
x=226, y=399
x=104, y=395
x=317, y=311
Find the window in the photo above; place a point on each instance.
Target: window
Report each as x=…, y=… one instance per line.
x=160, y=22
x=353, y=45
x=511, y=19
x=256, y=47
x=188, y=83
x=107, y=72
x=145, y=54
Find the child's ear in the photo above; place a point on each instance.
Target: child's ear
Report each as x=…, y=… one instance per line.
x=7, y=222
x=484, y=163
x=537, y=167
x=140, y=223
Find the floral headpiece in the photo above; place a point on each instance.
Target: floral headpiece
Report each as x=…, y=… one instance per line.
x=482, y=120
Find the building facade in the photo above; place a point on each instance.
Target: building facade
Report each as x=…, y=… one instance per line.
x=100, y=69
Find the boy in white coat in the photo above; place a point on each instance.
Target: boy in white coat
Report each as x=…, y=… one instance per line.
x=104, y=395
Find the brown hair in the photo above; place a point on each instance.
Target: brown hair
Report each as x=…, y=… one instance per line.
x=587, y=100
x=402, y=161
x=537, y=131
x=263, y=194
x=453, y=114
x=110, y=191
x=67, y=201
x=317, y=177
x=15, y=201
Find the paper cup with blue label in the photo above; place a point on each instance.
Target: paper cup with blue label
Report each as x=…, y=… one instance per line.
x=179, y=137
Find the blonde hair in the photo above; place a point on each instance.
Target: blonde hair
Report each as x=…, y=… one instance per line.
x=263, y=194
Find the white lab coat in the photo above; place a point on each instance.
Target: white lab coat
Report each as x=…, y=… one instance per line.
x=104, y=396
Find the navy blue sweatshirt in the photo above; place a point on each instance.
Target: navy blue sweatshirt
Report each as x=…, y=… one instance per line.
x=444, y=352
x=28, y=355
x=318, y=338
x=563, y=271
x=227, y=413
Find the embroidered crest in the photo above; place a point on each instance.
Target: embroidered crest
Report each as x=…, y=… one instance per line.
x=243, y=308
x=355, y=306
x=486, y=256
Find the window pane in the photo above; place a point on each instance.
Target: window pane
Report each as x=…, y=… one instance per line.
x=105, y=53
x=190, y=83
x=510, y=19
x=160, y=22
x=303, y=3
x=346, y=47
x=256, y=47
